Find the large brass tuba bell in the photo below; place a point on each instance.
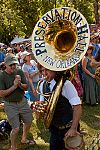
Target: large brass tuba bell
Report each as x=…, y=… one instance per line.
x=62, y=34
x=59, y=41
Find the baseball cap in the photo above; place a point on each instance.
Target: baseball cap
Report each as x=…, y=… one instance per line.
x=10, y=59
x=24, y=54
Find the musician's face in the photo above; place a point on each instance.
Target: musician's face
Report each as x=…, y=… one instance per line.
x=49, y=74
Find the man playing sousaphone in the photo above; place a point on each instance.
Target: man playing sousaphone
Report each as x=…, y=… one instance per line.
x=65, y=122
x=59, y=41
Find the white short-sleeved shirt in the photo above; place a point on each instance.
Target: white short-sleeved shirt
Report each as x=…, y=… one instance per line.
x=68, y=91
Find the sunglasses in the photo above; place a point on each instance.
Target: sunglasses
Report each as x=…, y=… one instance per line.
x=90, y=48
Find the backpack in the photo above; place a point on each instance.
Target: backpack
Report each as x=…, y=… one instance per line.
x=5, y=129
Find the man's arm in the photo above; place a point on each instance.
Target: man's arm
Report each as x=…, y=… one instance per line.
x=77, y=110
x=17, y=82
x=6, y=92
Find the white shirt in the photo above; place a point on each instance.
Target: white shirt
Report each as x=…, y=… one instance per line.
x=68, y=91
x=19, y=56
x=32, y=69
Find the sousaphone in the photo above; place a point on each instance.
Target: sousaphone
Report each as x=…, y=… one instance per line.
x=59, y=41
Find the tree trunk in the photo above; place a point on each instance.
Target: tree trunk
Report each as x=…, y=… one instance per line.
x=96, y=13
x=55, y=4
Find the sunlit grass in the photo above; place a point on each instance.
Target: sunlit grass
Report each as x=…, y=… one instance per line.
x=90, y=121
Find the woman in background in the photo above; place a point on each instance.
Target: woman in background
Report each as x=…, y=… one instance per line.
x=32, y=75
x=89, y=84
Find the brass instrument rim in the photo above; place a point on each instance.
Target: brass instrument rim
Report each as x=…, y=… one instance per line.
x=46, y=53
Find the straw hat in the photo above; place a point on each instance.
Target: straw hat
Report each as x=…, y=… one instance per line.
x=91, y=46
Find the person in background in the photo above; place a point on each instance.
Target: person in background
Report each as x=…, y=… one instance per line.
x=2, y=66
x=95, y=43
x=89, y=83
x=96, y=63
x=9, y=51
x=2, y=56
x=31, y=72
x=80, y=72
x=77, y=82
x=67, y=113
x=96, y=60
x=12, y=87
x=22, y=49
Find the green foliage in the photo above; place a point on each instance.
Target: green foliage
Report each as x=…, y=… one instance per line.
x=45, y=6
x=87, y=10
x=19, y=17
x=28, y=11
x=11, y=24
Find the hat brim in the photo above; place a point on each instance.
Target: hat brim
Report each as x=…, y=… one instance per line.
x=12, y=62
x=91, y=47
x=26, y=55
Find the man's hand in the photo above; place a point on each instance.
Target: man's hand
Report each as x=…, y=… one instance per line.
x=17, y=80
x=71, y=132
x=76, y=117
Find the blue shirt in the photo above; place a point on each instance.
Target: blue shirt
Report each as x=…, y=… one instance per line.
x=1, y=57
x=97, y=46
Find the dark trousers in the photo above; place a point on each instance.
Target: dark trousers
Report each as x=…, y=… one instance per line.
x=57, y=139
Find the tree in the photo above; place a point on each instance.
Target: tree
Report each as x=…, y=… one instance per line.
x=19, y=17
x=96, y=13
x=11, y=24
x=28, y=11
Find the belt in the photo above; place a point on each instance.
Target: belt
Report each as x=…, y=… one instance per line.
x=65, y=126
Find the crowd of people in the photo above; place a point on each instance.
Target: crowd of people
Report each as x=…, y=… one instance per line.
x=20, y=74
